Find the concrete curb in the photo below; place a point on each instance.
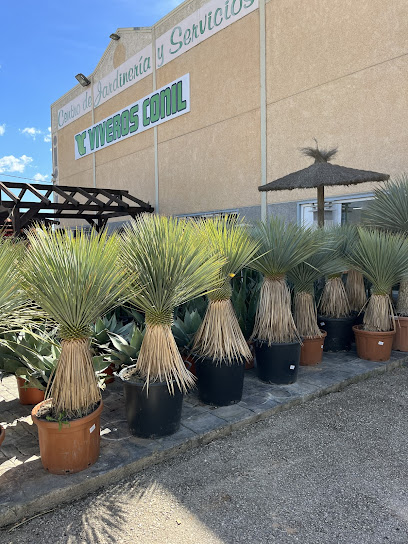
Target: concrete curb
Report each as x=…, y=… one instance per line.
x=78, y=485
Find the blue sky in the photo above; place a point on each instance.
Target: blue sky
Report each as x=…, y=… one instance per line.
x=43, y=44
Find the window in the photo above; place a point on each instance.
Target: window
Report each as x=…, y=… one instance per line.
x=337, y=211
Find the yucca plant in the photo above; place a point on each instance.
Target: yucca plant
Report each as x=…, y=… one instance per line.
x=303, y=277
x=383, y=259
x=281, y=247
x=219, y=336
x=388, y=211
x=334, y=302
x=172, y=268
x=74, y=279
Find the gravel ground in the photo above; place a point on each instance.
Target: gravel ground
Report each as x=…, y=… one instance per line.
x=332, y=471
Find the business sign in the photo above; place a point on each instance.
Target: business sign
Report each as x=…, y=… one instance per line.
x=166, y=103
x=197, y=27
x=202, y=24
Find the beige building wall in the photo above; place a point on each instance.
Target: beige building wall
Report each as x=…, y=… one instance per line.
x=336, y=70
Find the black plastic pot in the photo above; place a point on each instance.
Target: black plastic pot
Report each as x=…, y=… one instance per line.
x=339, y=332
x=277, y=363
x=151, y=413
x=219, y=383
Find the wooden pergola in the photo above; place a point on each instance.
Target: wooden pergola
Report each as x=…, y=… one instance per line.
x=22, y=204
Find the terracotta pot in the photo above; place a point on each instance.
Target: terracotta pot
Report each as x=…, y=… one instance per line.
x=2, y=434
x=28, y=395
x=71, y=448
x=373, y=346
x=109, y=371
x=401, y=334
x=311, y=352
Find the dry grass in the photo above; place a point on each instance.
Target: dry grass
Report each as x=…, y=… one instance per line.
x=74, y=389
x=355, y=290
x=159, y=358
x=379, y=315
x=334, y=301
x=273, y=321
x=220, y=336
x=305, y=315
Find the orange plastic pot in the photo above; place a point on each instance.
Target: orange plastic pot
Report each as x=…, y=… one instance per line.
x=401, y=334
x=28, y=395
x=110, y=378
x=71, y=448
x=311, y=352
x=2, y=434
x=373, y=346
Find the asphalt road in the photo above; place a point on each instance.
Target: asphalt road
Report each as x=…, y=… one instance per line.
x=332, y=471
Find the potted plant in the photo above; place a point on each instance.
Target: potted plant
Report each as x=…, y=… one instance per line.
x=388, y=211
x=383, y=259
x=101, y=331
x=245, y=294
x=30, y=355
x=125, y=349
x=172, y=268
x=219, y=345
x=276, y=339
x=304, y=277
x=334, y=312
x=74, y=279
x=184, y=329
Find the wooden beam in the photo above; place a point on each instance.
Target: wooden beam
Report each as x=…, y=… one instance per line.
x=90, y=197
x=38, y=194
x=320, y=206
x=9, y=193
x=65, y=195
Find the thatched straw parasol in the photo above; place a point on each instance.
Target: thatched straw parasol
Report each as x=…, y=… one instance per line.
x=322, y=174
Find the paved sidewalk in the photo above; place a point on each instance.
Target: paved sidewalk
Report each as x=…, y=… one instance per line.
x=123, y=454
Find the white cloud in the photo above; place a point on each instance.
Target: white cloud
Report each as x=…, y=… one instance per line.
x=40, y=177
x=31, y=131
x=47, y=136
x=10, y=163
x=2, y=129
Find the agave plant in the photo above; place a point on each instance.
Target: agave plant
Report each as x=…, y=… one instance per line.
x=31, y=355
x=219, y=336
x=282, y=247
x=245, y=295
x=303, y=277
x=388, y=211
x=74, y=279
x=125, y=349
x=383, y=259
x=106, y=326
x=172, y=268
x=185, y=328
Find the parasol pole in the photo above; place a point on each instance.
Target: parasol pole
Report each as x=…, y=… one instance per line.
x=320, y=206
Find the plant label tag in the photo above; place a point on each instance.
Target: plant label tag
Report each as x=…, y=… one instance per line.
x=91, y=430
x=380, y=343
x=322, y=323
x=292, y=367
x=321, y=346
